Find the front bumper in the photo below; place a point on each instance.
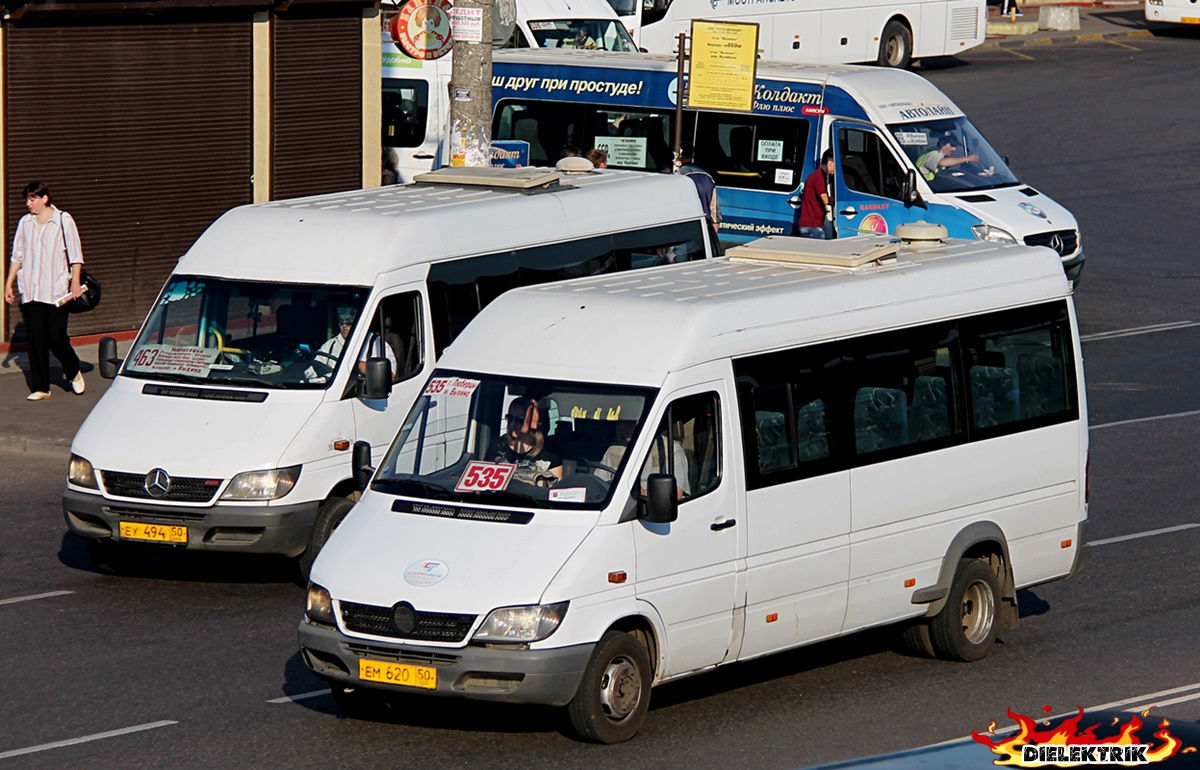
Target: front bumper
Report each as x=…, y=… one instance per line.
x=276, y=529
x=546, y=677
x=1073, y=266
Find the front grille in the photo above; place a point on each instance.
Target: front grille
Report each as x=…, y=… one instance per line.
x=183, y=490
x=1068, y=241
x=964, y=24
x=401, y=656
x=429, y=627
x=140, y=514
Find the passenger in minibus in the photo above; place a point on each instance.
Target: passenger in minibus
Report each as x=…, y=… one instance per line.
x=524, y=444
x=615, y=453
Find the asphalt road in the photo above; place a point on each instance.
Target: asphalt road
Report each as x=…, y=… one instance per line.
x=195, y=664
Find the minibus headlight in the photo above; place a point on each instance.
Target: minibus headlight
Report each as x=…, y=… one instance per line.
x=993, y=234
x=319, y=608
x=262, y=485
x=80, y=473
x=521, y=624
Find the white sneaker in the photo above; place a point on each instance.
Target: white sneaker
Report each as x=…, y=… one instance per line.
x=78, y=385
x=38, y=395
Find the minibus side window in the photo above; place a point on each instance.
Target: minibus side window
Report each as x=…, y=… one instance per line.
x=866, y=164
x=405, y=111
x=687, y=445
x=396, y=323
x=752, y=152
x=1020, y=368
x=664, y=245
x=903, y=390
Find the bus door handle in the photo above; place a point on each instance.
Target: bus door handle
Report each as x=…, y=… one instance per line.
x=423, y=156
x=794, y=201
x=849, y=211
x=721, y=524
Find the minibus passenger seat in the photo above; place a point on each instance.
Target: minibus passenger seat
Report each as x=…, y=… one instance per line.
x=880, y=419
x=741, y=147
x=1042, y=387
x=812, y=436
x=929, y=415
x=393, y=341
x=854, y=170
x=995, y=395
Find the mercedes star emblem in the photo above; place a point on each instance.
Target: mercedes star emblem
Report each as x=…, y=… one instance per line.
x=1056, y=243
x=158, y=483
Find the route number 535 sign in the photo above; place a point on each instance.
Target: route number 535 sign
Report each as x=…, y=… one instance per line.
x=485, y=477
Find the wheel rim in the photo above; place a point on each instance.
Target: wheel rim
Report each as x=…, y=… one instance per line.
x=894, y=51
x=620, y=689
x=978, y=612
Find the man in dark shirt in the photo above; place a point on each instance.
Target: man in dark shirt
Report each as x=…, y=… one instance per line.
x=816, y=201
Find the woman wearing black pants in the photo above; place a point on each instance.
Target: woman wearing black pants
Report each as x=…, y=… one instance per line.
x=46, y=260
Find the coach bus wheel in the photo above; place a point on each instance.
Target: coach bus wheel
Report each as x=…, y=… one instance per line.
x=966, y=627
x=895, y=46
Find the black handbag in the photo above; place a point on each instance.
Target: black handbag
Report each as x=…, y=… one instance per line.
x=91, y=294
x=91, y=287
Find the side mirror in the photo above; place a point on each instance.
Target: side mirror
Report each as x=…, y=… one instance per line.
x=360, y=457
x=379, y=378
x=662, y=499
x=912, y=196
x=109, y=363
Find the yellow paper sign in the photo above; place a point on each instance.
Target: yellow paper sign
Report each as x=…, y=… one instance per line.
x=723, y=65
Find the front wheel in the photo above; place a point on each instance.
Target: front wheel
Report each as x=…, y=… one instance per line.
x=332, y=512
x=614, y=695
x=965, y=629
x=895, y=46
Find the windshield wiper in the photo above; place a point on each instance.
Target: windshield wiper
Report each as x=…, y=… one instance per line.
x=251, y=381
x=512, y=498
x=168, y=376
x=429, y=490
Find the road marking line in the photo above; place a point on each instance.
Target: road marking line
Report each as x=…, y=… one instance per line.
x=1142, y=698
x=85, y=739
x=1135, y=330
x=1102, y=707
x=1162, y=703
x=31, y=597
x=1123, y=45
x=1149, y=533
x=1018, y=53
x=319, y=693
x=1144, y=419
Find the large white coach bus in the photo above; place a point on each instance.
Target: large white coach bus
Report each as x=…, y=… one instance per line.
x=891, y=33
x=666, y=471
x=1175, y=11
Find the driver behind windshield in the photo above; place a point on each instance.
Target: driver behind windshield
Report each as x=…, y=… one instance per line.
x=930, y=163
x=524, y=444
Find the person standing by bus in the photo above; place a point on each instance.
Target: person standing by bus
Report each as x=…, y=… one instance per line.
x=46, y=261
x=706, y=188
x=815, y=202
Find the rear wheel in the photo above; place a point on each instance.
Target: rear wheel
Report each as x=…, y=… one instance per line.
x=615, y=692
x=895, y=46
x=331, y=514
x=965, y=629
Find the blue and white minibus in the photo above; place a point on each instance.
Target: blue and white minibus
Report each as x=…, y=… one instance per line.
x=881, y=123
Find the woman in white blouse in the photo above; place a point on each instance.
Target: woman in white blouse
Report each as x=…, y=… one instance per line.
x=46, y=260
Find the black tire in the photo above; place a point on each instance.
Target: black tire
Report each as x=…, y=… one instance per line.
x=915, y=638
x=614, y=695
x=966, y=627
x=111, y=558
x=329, y=517
x=895, y=46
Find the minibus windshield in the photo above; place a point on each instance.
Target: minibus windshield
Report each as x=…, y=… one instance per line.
x=219, y=331
x=924, y=142
x=584, y=34
x=508, y=441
